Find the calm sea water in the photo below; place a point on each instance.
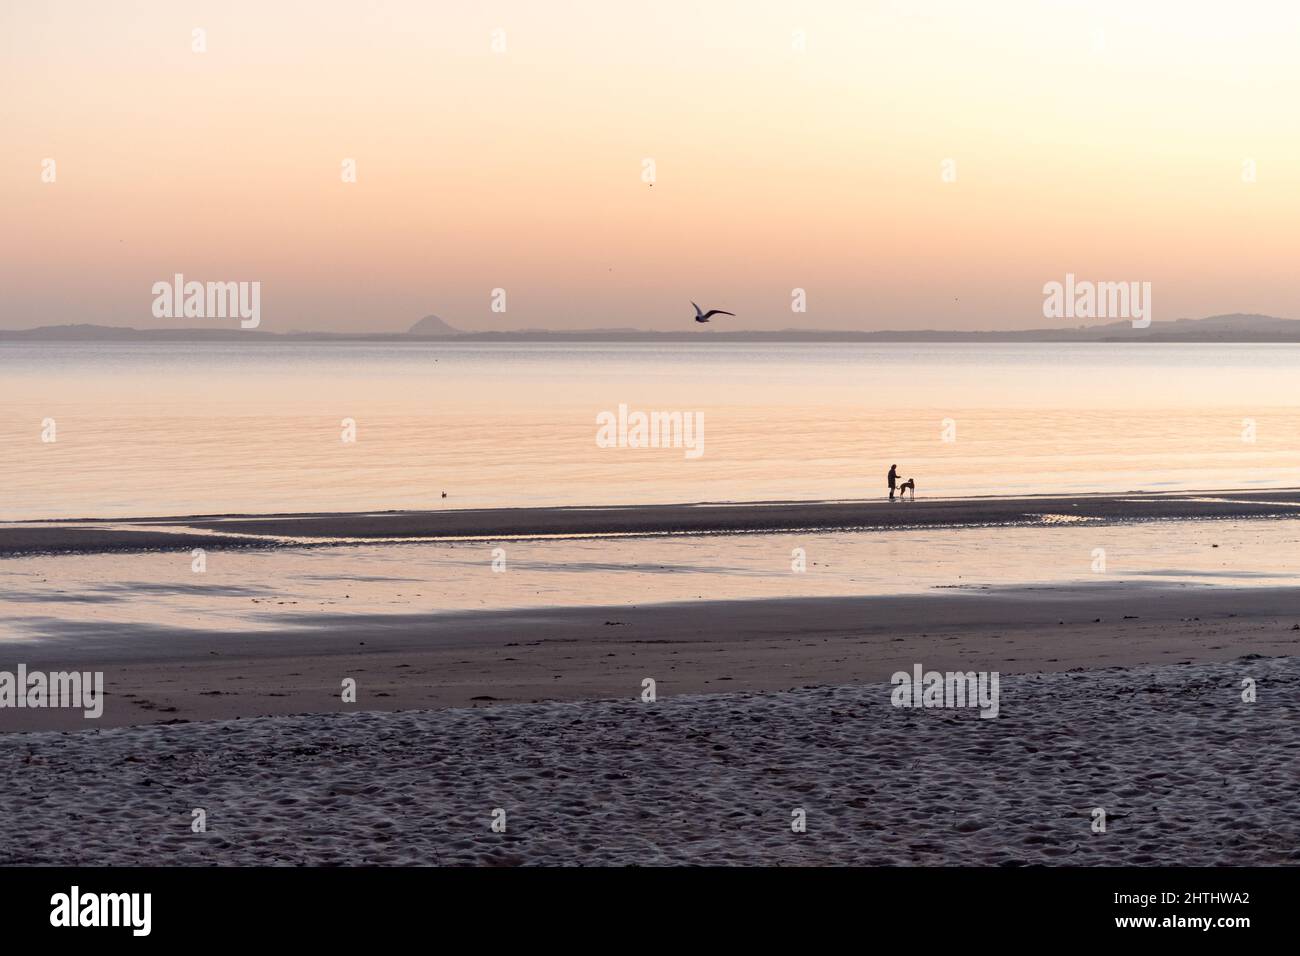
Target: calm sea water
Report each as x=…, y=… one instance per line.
x=165, y=429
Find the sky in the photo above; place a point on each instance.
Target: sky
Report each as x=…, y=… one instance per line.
x=906, y=164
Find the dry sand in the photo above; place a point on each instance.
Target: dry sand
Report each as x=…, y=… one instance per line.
x=1186, y=772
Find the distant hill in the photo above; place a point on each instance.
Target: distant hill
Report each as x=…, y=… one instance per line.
x=432, y=325
x=1236, y=327
x=70, y=333
x=117, y=333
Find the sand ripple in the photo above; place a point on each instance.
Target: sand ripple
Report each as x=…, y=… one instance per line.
x=1187, y=774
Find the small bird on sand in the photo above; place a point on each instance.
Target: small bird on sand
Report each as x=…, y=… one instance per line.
x=704, y=316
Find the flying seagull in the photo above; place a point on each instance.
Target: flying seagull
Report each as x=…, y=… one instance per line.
x=704, y=316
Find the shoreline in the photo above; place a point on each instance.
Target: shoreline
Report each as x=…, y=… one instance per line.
x=431, y=661
x=109, y=535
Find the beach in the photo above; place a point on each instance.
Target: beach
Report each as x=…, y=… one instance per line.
x=525, y=691
x=1184, y=772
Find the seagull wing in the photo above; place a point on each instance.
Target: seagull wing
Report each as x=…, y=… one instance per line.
x=698, y=310
x=717, y=312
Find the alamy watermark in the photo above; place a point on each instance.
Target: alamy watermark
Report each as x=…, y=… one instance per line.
x=179, y=299
x=946, y=689
x=651, y=430
x=76, y=908
x=1098, y=300
x=38, y=689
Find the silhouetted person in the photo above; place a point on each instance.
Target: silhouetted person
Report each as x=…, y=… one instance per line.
x=892, y=478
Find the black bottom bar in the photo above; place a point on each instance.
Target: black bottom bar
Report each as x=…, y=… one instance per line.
x=643, y=906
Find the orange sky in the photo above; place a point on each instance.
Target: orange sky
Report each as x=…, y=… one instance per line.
x=1106, y=139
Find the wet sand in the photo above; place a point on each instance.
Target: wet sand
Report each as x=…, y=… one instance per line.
x=427, y=661
x=1184, y=770
x=92, y=536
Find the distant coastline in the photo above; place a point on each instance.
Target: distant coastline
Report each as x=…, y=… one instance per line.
x=1238, y=328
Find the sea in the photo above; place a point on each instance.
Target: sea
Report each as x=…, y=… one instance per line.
x=160, y=429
